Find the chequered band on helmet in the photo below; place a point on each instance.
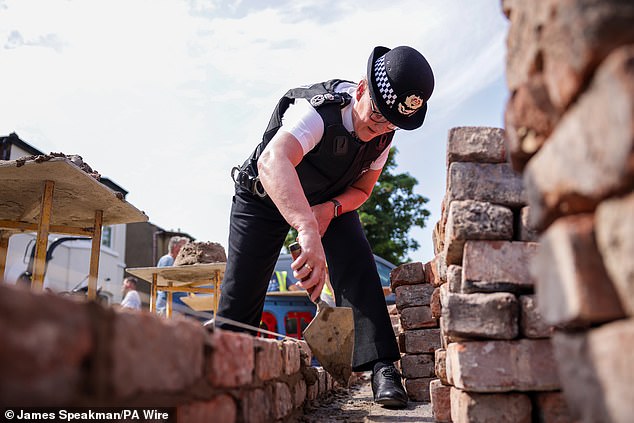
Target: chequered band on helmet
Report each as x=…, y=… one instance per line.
x=383, y=83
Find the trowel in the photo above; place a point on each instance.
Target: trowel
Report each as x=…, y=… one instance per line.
x=330, y=335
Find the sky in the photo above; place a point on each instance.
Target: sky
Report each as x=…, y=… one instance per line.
x=164, y=97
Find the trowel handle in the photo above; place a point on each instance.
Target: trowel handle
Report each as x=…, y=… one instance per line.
x=296, y=250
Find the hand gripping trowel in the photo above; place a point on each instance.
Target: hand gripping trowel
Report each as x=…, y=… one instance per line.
x=330, y=335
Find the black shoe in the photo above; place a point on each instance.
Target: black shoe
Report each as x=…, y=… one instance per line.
x=387, y=388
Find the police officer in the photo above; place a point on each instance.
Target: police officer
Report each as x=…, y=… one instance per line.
x=319, y=159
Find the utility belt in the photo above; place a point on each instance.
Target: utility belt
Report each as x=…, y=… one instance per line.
x=251, y=183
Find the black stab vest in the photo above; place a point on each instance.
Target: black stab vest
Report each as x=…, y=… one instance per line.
x=339, y=158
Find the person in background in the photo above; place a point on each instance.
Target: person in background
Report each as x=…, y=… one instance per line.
x=131, y=298
x=173, y=247
x=319, y=159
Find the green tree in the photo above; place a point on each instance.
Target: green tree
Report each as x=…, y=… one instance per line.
x=389, y=214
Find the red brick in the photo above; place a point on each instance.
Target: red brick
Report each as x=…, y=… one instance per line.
x=551, y=407
x=232, y=361
x=268, y=358
x=418, y=389
x=282, y=400
x=413, y=295
x=597, y=370
x=492, y=266
x=438, y=270
x=299, y=393
x=502, y=366
x=440, y=365
x=526, y=232
x=305, y=353
x=485, y=182
x=476, y=144
x=596, y=135
x=436, y=308
x=149, y=353
x=417, y=317
x=291, y=356
x=420, y=341
x=532, y=324
x=440, y=401
x=407, y=274
x=256, y=405
x=468, y=407
x=573, y=288
x=221, y=409
x=492, y=316
x=45, y=341
x=417, y=365
x=472, y=220
x=454, y=278
x=615, y=241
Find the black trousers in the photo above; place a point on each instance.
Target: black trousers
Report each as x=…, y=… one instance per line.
x=256, y=235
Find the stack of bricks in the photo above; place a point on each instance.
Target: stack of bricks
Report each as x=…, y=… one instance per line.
x=60, y=353
x=417, y=329
x=570, y=129
x=496, y=362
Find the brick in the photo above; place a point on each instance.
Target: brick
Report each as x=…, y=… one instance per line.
x=597, y=370
x=615, y=240
x=438, y=237
x=256, y=405
x=473, y=220
x=468, y=407
x=418, y=365
x=532, y=324
x=573, y=288
x=448, y=367
x=45, y=341
x=291, y=357
x=551, y=407
x=299, y=393
x=282, y=401
x=438, y=270
x=407, y=274
x=454, y=278
x=428, y=271
x=221, y=409
x=232, y=362
x=476, y=144
x=268, y=358
x=492, y=266
x=440, y=365
x=503, y=366
x=526, y=232
x=529, y=118
x=420, y=341
x=435, y=306
x=596, y=135
x=312, y=391
x=492, y=316
x=417, y=317
x=150, y=340
x=321, y=377
x=305, y=353
x=563, y=43
x=440, y=401
x=418, y=389
x=492, y=183
x=413, y=295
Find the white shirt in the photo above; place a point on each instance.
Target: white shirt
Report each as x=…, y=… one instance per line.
x=304, y=122
x=132, y=300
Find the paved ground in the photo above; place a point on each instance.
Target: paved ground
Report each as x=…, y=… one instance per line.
x=355, y=405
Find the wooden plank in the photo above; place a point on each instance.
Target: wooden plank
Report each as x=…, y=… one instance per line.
x=153, y=293
x=41, y=243
x=94, y=256
x=179, y=275
x=168, y=305
x=4, y=247
x=54, y=229
x=196, y=290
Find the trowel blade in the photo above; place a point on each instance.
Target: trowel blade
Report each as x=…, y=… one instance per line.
x=330, y=336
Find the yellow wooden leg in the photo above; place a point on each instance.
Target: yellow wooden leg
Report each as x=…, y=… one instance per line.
x=41, y=243
x=94, y=255
x=153, y=292
x=168, y=303
x=4, y=247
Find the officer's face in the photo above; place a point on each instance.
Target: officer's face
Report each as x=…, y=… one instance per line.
x=366, y=119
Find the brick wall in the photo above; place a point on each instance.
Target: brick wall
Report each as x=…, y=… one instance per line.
x=57, y=352
x=570, y=126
